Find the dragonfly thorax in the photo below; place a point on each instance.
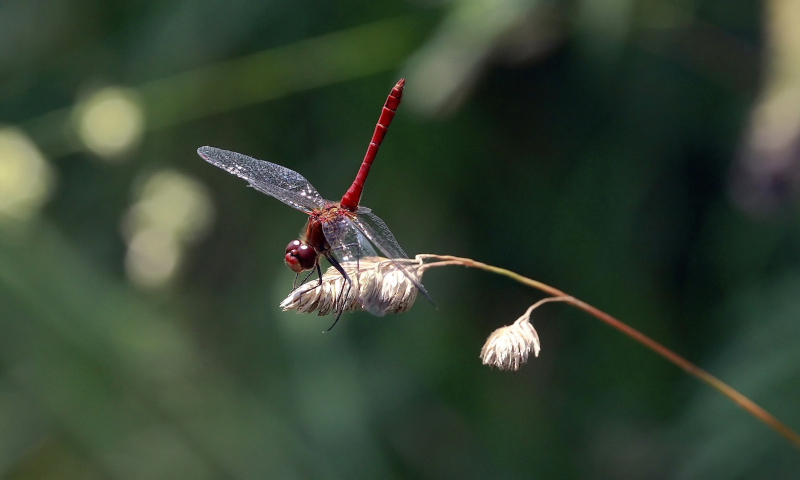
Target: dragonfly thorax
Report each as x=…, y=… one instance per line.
x=300, y=256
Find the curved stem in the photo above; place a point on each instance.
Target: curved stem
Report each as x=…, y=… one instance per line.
x=636, y=335
x=536, y=305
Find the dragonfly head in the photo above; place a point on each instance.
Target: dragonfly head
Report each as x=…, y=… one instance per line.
x=300, y=256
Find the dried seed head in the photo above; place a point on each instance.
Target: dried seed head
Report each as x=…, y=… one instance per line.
x=507, y=348
x=323, y=299
x=379, y=286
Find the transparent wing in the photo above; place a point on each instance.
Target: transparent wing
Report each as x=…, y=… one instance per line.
x=347, y=242
x=375, y=229
x=378, y=233
x=276, y=181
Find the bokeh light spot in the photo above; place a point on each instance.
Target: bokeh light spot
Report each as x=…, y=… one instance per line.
x=152, y=258
x=110, y=121
x=26, y=179
x=170, y=211
x=175, y=202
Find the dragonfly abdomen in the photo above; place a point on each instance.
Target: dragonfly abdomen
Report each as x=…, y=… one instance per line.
x=351, y=199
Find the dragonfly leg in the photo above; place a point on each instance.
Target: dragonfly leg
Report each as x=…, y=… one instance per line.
x=342, y=297
x=304, y=284
x=338, y=316
x=295, y=285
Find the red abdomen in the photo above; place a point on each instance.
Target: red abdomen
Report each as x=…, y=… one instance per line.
x=352, y=198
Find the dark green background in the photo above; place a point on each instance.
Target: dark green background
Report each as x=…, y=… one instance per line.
x=600, y=165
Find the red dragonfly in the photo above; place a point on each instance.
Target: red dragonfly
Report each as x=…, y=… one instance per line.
x=342, y=231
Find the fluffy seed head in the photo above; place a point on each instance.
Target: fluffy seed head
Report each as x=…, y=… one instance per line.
x=379, y=286
x=507, y=348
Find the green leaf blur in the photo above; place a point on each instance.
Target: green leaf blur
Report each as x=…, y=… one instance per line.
x=641, y=155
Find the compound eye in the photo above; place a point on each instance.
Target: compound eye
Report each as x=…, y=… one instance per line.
x=300, y=257
x=307, y=257
x=293, y=245
x=293, y=263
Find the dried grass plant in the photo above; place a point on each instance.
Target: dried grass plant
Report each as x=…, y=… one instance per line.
x=389, y=290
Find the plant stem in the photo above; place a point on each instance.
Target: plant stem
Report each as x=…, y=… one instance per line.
x=636, y=335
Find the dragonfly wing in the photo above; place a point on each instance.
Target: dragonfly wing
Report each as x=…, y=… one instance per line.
x=375, y=229
x=276, y=181
x=347, y=242
x=378, y=233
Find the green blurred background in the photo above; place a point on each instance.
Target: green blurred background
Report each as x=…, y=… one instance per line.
x=641, y=155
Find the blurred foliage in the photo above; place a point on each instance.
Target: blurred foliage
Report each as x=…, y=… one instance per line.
x=604, y=147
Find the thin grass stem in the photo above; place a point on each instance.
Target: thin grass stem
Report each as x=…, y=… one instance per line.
x=690, y=368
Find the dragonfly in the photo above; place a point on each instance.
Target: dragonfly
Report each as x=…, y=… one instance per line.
x=343, y=231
